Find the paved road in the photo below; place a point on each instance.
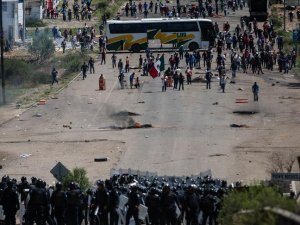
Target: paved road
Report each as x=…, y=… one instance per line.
x=190, y=133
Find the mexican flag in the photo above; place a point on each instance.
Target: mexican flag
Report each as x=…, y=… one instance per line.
x=158, y=66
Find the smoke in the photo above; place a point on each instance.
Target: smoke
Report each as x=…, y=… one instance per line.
x=120, y=118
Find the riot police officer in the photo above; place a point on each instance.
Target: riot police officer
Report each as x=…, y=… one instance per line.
x=152, y=201
x=72, y=205
x=191, y=206
x=58, y=202
x=168, y=205
x=37, y=209
x=114, y=201
x=102, y=201
x=133, y=205
x=10, y=203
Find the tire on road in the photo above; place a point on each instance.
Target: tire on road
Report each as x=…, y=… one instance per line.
x=193, y=46
x=136, y=48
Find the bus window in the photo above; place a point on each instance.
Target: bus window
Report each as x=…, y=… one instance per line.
x=181, y=27
x=127, y=28
x=207, y=30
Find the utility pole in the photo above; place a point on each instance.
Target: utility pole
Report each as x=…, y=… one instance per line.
x=284, y=12
x=24, y=27
x=2, y=50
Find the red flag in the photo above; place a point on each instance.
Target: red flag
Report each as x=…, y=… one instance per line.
x=155, y=69
x=153, y=72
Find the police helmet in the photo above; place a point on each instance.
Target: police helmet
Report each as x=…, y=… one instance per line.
x=9, y=183
x=58, y=186
x=5, y=178
x=72, y=185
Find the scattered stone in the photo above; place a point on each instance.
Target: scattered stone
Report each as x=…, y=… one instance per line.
x=67, y=126
x=241, y=89
x=37, y=115
x=239, y=125
x=141, y=102
x=214, y=155
x=215, y=103
x=273, y=84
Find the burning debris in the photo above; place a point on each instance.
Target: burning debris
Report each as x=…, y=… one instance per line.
x=123, y=120
x=136, y=125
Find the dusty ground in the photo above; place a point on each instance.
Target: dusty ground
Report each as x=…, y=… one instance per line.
x=190, y=134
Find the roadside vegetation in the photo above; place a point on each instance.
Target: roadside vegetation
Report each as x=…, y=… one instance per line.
x=77, y=175
x=248, y=206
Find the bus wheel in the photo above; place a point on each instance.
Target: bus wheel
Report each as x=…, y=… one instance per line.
x=193, y=46
x=136, y=48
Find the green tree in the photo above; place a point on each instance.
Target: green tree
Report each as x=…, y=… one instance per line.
x=42, y=46
x=77, y=175
x=245, y=207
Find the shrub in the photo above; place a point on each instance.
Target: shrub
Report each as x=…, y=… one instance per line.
x=72, y=62
x=42, y=47
x=33, y=22
x=102, y=5
x=77, y=175
x=17, y=71
x=253, y=199
x=20, y=73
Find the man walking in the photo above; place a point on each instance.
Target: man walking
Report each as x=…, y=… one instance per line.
x=54, y=76
x=84, y=69
x=255, y=90
x=91, y=65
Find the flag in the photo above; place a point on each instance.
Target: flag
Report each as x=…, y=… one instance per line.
x=158, y=66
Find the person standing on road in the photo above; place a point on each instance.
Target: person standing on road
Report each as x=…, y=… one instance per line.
x=223, y=82
x=84, y=69
x=127, y=65
x=164, y=83
x=103, y=57
x=120, y=66
x=208, y=76
x=255, y=90
x=131, y=79
x=188, y=73
x=121, y=79
x=54, y=76
x=91, y=65
x=114, y=60
x=181, y=80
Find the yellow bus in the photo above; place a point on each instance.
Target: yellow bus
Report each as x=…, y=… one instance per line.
x=137, y=35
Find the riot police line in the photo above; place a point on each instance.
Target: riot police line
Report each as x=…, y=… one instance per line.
x=120, y=200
